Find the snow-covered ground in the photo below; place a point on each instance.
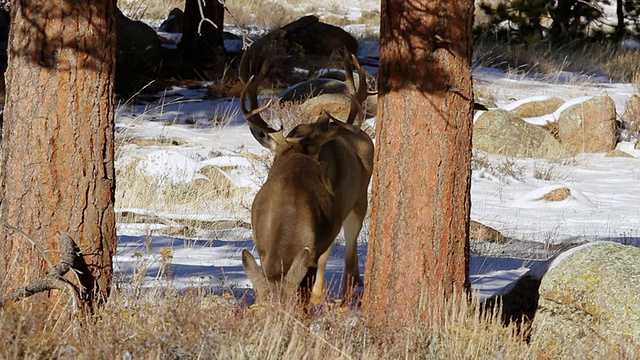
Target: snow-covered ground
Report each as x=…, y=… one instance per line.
x=605, y=191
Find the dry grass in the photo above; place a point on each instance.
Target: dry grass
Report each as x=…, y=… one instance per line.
x=262, y=13
x=504, y=168
x=271, y=14
x=163, y=324
x=550, y=61
x=149, y=9
x=210, y=191
x=199, y=196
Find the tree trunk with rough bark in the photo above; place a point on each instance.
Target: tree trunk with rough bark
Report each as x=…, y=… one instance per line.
x=56, y=165
x=418, y=255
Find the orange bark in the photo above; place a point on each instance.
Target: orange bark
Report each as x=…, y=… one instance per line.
x=56, y=166
x=418, y=250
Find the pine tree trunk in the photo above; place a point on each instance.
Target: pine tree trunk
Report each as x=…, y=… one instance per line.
x=418, y=253
x=620, y=27
x=56, y=166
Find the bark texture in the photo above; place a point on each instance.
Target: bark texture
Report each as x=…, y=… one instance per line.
x=418, y=250
x=56, y=166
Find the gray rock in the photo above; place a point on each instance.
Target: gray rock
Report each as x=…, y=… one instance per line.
x=338, y=105
x=318, y=38
x=174, y=22
x=311, y=88
x=486, y=103
x=482, y=232
x=138, y=55
x=538, y=107
x=590, y=303
x=589, y=126
x=327, y=94
x=502, y=132
x=631, y=117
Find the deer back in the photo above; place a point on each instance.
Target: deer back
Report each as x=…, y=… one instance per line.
x=291, y=212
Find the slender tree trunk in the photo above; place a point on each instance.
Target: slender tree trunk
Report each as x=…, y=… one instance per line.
x=418, y=253
x=620, y=27
x=56, y=167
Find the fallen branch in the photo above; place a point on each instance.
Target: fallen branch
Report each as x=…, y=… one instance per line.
x=54, y=279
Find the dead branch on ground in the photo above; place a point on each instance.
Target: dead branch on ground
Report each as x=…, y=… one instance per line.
x=54, y=280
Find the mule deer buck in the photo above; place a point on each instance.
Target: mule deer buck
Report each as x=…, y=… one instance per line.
x=317, y=184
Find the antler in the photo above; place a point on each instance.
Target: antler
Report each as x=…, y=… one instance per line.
x=259, y=55
x=359, y=95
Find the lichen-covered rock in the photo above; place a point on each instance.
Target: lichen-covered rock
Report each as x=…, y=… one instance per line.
x=590, y=302
x=589, y=126
x=479, y=101
x=502, y=132
x=538, y=107
x=631, y=116
x=482, y=232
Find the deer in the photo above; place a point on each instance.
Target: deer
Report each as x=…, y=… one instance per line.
x=317, y=184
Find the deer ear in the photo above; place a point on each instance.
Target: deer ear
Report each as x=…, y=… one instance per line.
x=299, y=268
x=254, y=272
x=323, y=121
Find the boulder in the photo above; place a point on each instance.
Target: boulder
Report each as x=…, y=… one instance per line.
x=538, y=107
x=174, y=22
x=482, y=232
x=311, y=88
x=138, y=55
x=483, y=104
x=631, y=116
x=325, y=94
x=589, y=303
x=318, y=38
x=618, y=153
x=589, y=126
x=502, y=132
x=559, y=194
x=338, y=105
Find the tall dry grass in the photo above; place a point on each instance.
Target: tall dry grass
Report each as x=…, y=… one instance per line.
x=149, y=9
x=550, y=61
x=163, y=324
x=262, y=13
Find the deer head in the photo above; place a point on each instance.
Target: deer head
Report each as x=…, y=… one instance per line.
x=317, y=184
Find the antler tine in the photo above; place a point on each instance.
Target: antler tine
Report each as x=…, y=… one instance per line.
x=259, y=56
x=359, y=96
x=348, y=70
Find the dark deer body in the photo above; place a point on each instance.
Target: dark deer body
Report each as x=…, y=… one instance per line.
x=317, y=184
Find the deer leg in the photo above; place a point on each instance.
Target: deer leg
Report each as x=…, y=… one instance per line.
x=317, y=293
x=352, y=225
